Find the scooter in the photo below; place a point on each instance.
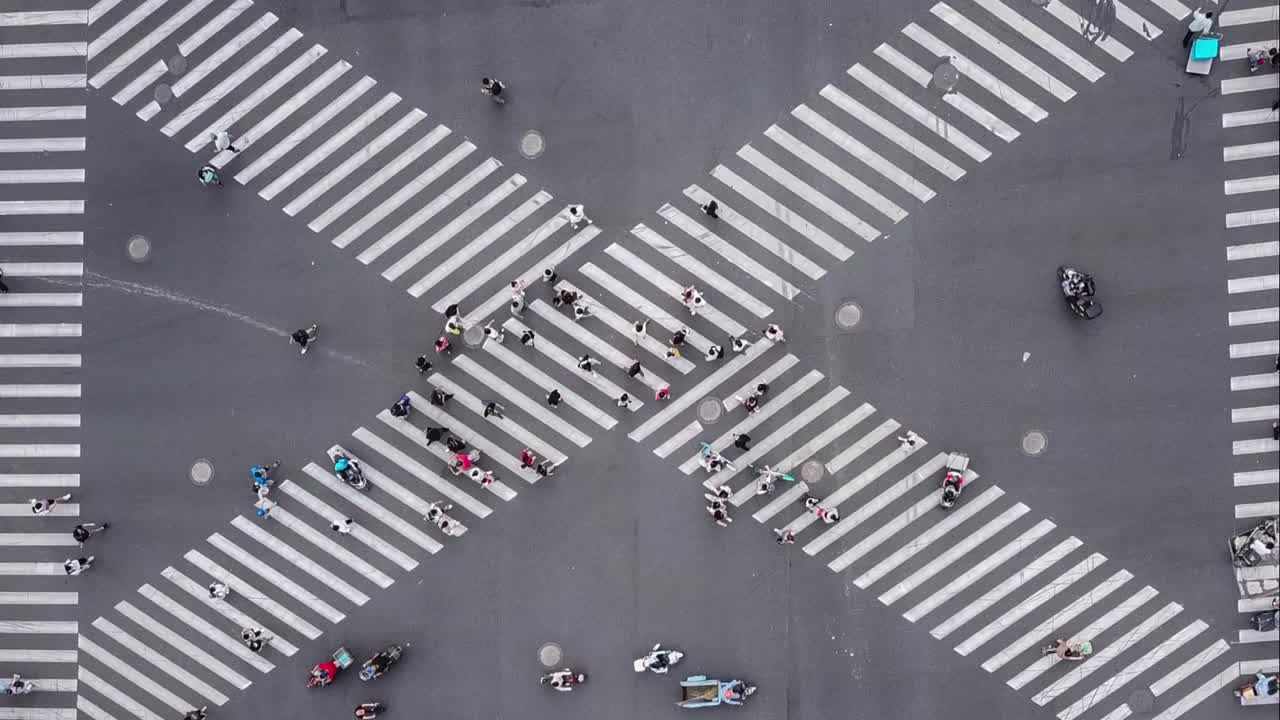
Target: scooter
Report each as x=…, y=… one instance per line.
x=348, y=468
x=953, y=480
x=18, y=686
x=657, y=660
x=1078, y=289
x=563, y=680
x=1074, y=650
x=381, y=662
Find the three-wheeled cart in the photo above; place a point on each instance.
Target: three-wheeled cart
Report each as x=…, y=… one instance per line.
x=698, y=691
x=1203, y=50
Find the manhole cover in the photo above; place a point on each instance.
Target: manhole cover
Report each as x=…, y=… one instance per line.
x=710, y=410
x=812, y=471
x=1141, y=701
x=176, y=64
x=848, y=315
x=201, y=472
x=946, y=76
x=163, y=94
x=532, y=144
x=473, y=336
x=138, y=247
x=1034, y=442
x=550, y=655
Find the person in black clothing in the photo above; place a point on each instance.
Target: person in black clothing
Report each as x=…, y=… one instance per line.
x=553, y=398
x=454, y=443
x=423, y=364
x=493, y=87
x=3, y=288
x=439, y=397
x=435, y=433
x=742, y=442
x=635, y=370
x=84, y=531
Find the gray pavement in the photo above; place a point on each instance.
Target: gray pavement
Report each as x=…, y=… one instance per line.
x=190, y=360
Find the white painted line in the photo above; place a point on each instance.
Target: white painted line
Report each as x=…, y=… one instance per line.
x=808, y=193
x=1232, y=153
x=716, y=244
x=276, y=578
x=768, y=375
x=40, y=713
x=42, y=113
x=1014, y=59
x=1260, y=573
x=597, y=347
x=989, y=598
x=15, y=655
x=34, y=480
x=569, y=398
x=684, y=401
x=39, y=361
x=1241, y=317
x=1250, y=667
x=1238, y=415
x=328, y=147
x=92, y=711
x=41, y=177
x=29, y=569
x=143, y=46
x=948, y=557
x=231, y=645
x=864, y=154
x=1253, y=636
x=705, y=274
x=1256, y=510
x=329, y=514
x=211, y=28
x=679, y=440
x=40, y=421
x=1113, y=616
x=1035, y=600
x=1047, y=42
x=111, y=693
x=42, y=269
x=284, y=110
x=39, y=627
x=44, y=17
x=401, y=196
x=781, y=212
x=533, y=407
x=569, y=363
x=1058, y=620
x=854, y=451
x=644, y=308
x=57, y=685
x=1244, y=118
x=373, y=509
x=757, y=234
x=62, y=539
x=1251, y=83
x=1257, y=477
x=100, y=9
x=852, y=487
x=1235, y=252
x=42, y=82
x=671, y=288
x=464, y=398
x=305, y=130
x=892, y=132
x=807, y=450
x=411, y=466
x=464, y=219
x=1109, y=651
x=40, y=145
x=917, y=112
x=602, y=315
x=26, y=299
x=40, y=207
x=42, y=50
x=957, y=100
x=783, y=434
x=1175, y=9
x=1136, y=22
x=1262, y=183
x=779, y=401
x=1248, y=16
x=451, y=264
x=1249, y=218
x=225, y=609
x=1239, y=51
x=1184, y=670
x=49, y=239
x=851, y=184
x=161, y=663
x=105, y=39
x=377, y=179
x=499, y=264
x=302, y=562
x=39, y=598
x=1254, y=349
x=277, y=80
x=140, y=83
x=39, y=330
x=782, y=501
x=217, y=93
x=1108, y=44
x=48, y=450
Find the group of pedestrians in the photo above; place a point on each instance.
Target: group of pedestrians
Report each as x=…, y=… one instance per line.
x=80, y=533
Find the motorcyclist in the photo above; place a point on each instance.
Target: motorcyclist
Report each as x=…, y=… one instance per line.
x=18, y=686
x=346, y=468
x=262, y=474
x=369, y=710
x=951, y=485
x=562, y=680
x=1068, y=650
x=197, y=714
x=658, y=660
x=735, y=692
x=323, y=674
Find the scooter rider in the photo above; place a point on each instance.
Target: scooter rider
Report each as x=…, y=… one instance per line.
x=1068, y=650
x=18, y=686
x=346, y=468
x=369, y=710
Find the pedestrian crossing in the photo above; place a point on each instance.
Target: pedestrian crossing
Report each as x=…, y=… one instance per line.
x=43, y=129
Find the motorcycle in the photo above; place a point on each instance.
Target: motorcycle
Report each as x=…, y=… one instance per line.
x=18, y=686
x=1078, y=289
x=563, y=680
x=261, y=474
x=324, y=673
x=1265, y=621
x=1259, y=686
x=1069, y=650
x=657, y=660
x=953, y=480
x=1256, y=545
x=381, y=662
x=348, y=468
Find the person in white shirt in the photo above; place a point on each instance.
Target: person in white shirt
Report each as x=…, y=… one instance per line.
x=1201, y=22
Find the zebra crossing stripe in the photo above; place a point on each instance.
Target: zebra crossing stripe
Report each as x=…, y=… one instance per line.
x=282, y=111
x=65, y=81
x=696, y=268
x=1058, y=620
x=195, y=622
x=39, y=598
x=781, y=212
x=61, y=539
x=570, y=363
x=1246, y=218
x=1249, y=16
x=671, y=288
x=1136, y=22
x=891, y=132
x=1113, y=616
x=851, y=184
x=612, y=320
x=854, y=451
x=779, y=436
x=109, y=692
x=162, y=663
x=330, y=514
x=1256, y=316
x=377, y=179
x=1071, y=19
x=1257, y=477
x=1227, y=676
x=957, y=100
x=277, y=80
x=641, y=305
x=39, y=627
x=778, y=404
x=410, y=431
x=522, y=401
x=527, y=370
x=1245, y=118
x=1013, y=582
x=354, y=161
x=862, y=153
x=1256, y=510
x=1233, y=86
x=757, y=234
x=449, y=265
x=1047, y=42
x=1254, y=349
x=783, y=501
x=34, y=177
x=140, y=83
x=277, y=578
x=499, y=264
x=302, y=562
x=951, y=554
x=88, y=708
x=1132, y=670
x=1184, y=670
x=37, y=656
x=1261, y=183
x=100, y=9
x=42, y=112
x=19, y=239
x=849, y=489
x=28, y=569
x=464, y=219
x=716, y=244
x=206, y=661
x=105, y=39
x=24, y=510
x=411, y=466
x=42, y=300
x=808, y=193
x=223, y=608
x=679, y=404
x=52, y=480
x=679, y=440
x=1257, y=283
x=1251, y=151
x=1014, y=59
x=513, y=429
x=917, y=112
x=601, y=349
x=140, y=48
x=44, y=17
x=42, y=50
x=767, y=376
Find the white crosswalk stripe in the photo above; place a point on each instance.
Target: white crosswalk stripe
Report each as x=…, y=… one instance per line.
x=781, y=212
x=971, y=69
x=570, y=398
x=522, y=401
x=453, y=227
x=301, y=561
x=716, y=244
x=854, y=186
x=331, y=514
x=672, y=289
x=917, y=112
x=644, y=308
x=957, y=100
x=225, y=609
x=161, y=31
x=275, y=577
x=891, y=132
x=1072, y=20
x=475, y=507
x=710, y=277
x=246, y=139
x=207, y=662
x=757, y=234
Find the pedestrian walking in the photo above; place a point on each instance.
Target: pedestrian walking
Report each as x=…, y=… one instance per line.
x=678, y=337
x=264, y=506
x=742, y=442
x=624, y=401
x=719, y=515
x=673, y=352
x=3, y=288
x=254, y=638
x=75, y=566
x=435, y=433
x=785, y=536
x=42, y=506
x=484, y=477
x=564, y=297
x=342, y=526
x=554, y=397
x=422, y=364
x=518, y=287
x=722, y=492
x=826, y=515
x=454, y=443
x=1201, y=22
x=517, y=306
x=82, y=532
x=762, y=389
x=208, y=175
x=304, y=337
x=751, y=403
x=439, y=397
x=527, y=459
x=453, y=326
x=774, y=333
x=218, y=591
x=587, y=363
x=495, y=334
x=198, y=714
x=739, y=344
x=710, y=207
x=526, y=338
x=451, y=312
x=493, y=87
x=402, y=407
x=443, y=346
x=692, y=299
x=909, y=440
x=639, y=330
x=634, y=370
x=577, y=214
x=495, y=410
x=549, y=275
x=546, y=468
x=580, y=310
x=664, y=393
x=715, y=352
x=222, y=142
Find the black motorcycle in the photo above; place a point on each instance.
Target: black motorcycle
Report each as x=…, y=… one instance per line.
x=1078, y=289
x=375, y=666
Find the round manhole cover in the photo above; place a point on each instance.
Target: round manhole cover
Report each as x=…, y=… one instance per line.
x=201, y=472
x=946, y=76
x=176, y=64
x=1141, y=701
x=532, y=144
x=473, y=336
x=1034, y=442
x=710, y=410
x=848, y=315
x=138, y=247
x=550, y=655
x=812, y=471
x=163, y=94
